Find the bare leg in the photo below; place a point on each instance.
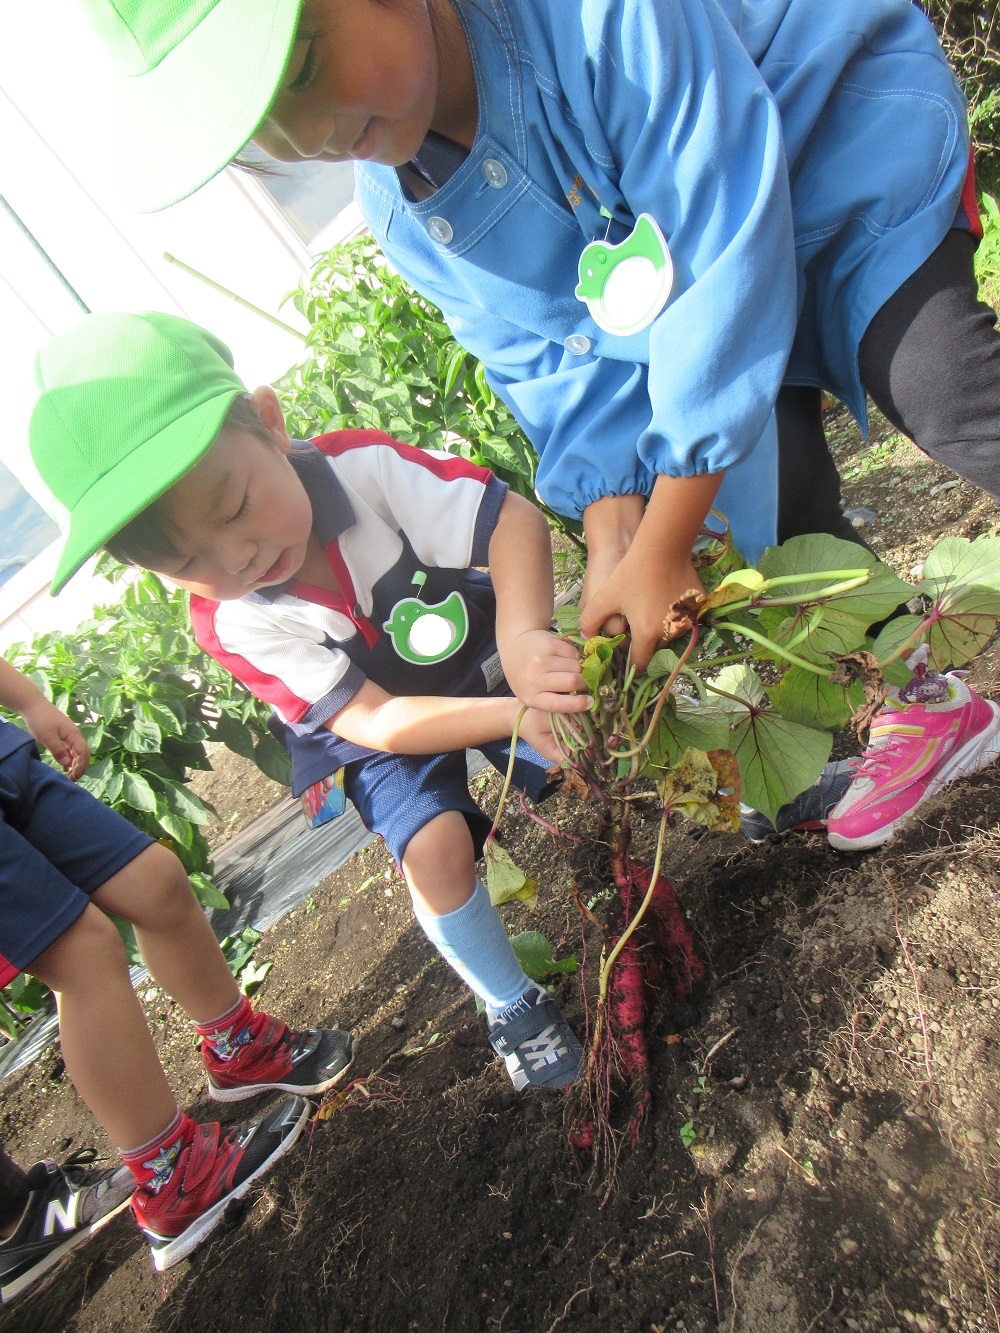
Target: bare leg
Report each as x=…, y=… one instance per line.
x=106, y=1045
x=173, y=933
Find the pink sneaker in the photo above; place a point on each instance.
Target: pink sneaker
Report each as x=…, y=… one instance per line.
x=913, y=751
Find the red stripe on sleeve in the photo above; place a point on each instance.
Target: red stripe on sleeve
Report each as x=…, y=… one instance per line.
x=448, y=469
x=969, y=201
x=269, y=688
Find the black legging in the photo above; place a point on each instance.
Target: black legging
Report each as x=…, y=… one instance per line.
x=930, y=360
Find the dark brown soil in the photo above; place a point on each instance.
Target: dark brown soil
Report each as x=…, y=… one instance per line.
x=822, y=1151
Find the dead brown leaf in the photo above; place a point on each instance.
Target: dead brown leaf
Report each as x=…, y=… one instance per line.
x=864, y=667
x=572, y=783
x=683, y=613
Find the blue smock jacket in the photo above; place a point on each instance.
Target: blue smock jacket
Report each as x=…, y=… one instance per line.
x=802, y=159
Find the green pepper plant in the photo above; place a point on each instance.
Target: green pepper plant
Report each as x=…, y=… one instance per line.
x=149, y=703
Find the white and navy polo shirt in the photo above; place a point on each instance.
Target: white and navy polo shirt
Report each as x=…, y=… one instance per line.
x=403, y=529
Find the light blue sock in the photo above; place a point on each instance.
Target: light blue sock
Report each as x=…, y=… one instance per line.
x=474, y=941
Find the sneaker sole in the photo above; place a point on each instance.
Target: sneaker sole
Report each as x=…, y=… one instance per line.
x=14, y=1289
x=246, y=1090
x=165, y=1256
x=976, y=754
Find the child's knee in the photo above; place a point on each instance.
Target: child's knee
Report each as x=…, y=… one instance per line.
x=151, y=891
x=168, y=889
x=88, y=949
x=442, y=850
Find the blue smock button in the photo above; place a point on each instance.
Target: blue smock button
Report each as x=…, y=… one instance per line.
x=440, y=230
x=577, y=344
x=494, y=173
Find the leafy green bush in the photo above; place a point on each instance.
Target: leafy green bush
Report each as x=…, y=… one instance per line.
x=148, y=701
x=988, y=253
x=970, y=33
x=384, y=359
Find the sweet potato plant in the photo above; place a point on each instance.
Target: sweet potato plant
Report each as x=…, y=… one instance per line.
x=741, y=706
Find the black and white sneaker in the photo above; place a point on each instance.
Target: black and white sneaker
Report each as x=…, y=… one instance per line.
x=539, y=1047
x=66, y=1204
x=808, y=811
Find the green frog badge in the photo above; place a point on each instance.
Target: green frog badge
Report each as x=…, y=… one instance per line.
x=625, y=286
x=424, y=634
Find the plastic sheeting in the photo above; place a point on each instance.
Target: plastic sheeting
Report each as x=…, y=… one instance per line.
x=277, y=861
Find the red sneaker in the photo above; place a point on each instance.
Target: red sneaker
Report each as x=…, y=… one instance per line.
x=204, y=1172
x=273, y=1058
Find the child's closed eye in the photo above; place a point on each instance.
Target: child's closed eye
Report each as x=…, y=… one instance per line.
x=307, y=72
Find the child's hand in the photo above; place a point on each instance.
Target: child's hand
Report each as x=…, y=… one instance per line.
x=544, y=672
x=595, y=575
x=609, y=525
x=63, y=738
x=656, y=570
x=642, y=592
x=536, y=730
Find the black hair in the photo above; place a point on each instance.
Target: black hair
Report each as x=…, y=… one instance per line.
x=151, y=535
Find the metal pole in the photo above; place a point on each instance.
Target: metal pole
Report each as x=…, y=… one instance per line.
x=240, y=300
x=39, y=249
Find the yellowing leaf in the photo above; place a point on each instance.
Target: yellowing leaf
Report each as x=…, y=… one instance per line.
x=596, y=659
x=705, y=786
x=735, y=587
x=505, y=881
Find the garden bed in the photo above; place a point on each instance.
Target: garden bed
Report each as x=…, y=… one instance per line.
x=821, y=1152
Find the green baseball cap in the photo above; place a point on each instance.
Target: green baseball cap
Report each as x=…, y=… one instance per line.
x=196, y=78
x=125, y=404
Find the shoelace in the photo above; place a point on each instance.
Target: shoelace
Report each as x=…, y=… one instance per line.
x=545, y=1049
x=882, y=752
x=75, y=1167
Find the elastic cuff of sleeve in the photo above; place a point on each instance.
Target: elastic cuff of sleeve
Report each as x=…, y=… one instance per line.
x=572, y=506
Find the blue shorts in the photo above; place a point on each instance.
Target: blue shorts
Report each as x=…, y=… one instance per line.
x=397, y=794
x=57, y=845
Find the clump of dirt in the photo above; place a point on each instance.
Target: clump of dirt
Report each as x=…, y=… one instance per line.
x=821, y=1151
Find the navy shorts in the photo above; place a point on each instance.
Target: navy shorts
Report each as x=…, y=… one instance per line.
x=397, y=794
x=57, y=845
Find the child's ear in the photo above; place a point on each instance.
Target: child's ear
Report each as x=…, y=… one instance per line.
x=265, y=404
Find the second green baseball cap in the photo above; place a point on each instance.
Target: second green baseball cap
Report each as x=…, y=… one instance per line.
x=125, y=405
x=195, y=79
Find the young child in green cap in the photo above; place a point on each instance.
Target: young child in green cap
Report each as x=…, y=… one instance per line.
x=65, y=861
x=340, y=579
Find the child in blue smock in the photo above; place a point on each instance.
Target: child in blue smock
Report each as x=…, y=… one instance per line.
x=803, y=169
